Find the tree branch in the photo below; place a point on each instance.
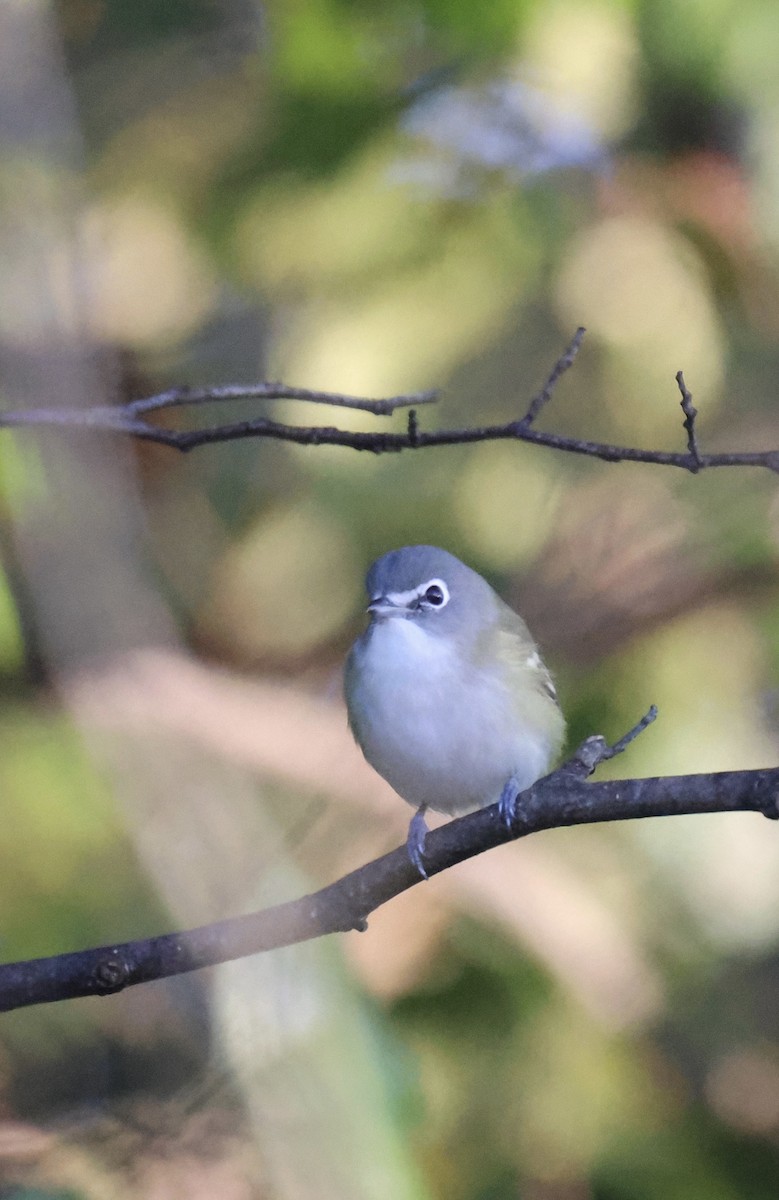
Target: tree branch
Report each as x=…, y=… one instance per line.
x=130, y=419
x=566, y=360
x=180, y=397
x=562, y=798
x=690, y=413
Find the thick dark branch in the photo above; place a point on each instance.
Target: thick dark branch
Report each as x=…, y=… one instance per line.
x=563, y=798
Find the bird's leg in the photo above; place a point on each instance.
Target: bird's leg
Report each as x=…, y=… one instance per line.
x=507, y=805
x=415, y=842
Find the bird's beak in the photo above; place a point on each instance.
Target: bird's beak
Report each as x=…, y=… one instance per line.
x=383, y=606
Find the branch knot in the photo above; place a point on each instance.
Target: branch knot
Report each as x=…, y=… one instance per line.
x=110, y=975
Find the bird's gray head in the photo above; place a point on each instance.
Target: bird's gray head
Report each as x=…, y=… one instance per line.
x=429, y=585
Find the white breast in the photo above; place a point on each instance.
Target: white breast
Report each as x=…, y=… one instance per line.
x=440, y=732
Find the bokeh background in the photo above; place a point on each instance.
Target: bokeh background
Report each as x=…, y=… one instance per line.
x=376, y=198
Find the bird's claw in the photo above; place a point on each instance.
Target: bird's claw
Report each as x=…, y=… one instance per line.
x=415, y=842
x=507, y=805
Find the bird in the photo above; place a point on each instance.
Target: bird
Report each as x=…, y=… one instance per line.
x=447, y=695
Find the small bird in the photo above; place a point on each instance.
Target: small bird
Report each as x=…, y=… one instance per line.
x=447, y=695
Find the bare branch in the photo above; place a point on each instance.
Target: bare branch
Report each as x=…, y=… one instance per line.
x=383, y=443
x=130, y=419
x=621, y=746
x=179, y=397
x=595, y=749
x=561, y=799
x=690, y=413
x=565, y=361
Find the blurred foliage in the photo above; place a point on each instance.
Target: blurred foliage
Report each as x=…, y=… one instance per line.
x=372, y=199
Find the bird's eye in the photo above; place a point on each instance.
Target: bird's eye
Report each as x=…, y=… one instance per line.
x=435, y=595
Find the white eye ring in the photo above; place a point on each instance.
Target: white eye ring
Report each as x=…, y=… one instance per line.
x=433, y=595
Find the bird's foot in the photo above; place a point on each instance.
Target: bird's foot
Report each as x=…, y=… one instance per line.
x=507, y=805
x=415, y=842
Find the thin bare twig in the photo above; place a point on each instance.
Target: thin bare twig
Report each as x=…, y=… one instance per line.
x=595, y=749
x=621, y=746
x=563, y=363
x=179, y=397
x=690, y=413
